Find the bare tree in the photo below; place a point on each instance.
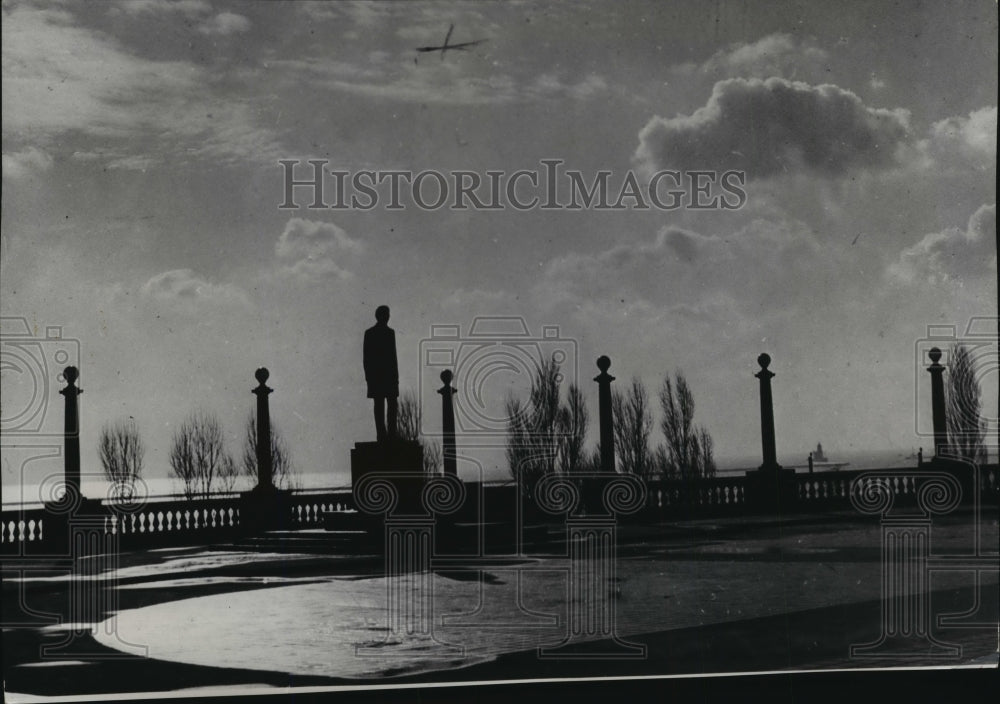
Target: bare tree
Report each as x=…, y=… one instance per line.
x=409, y=422
x=229, y=474
x=689, y=449
x=706, y=446
x=966, y=426
x=433, y=457
x=662, y=464
x=632, y=423
x=573, y=420
x=121, y=451
x=592, y=462
x=198, y=454
x=282, y=469
x=409, y=417
x=533, y=427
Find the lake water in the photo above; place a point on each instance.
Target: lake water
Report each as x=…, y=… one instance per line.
x=14, y=494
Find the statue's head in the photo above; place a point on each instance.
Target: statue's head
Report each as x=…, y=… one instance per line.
x=382, y=314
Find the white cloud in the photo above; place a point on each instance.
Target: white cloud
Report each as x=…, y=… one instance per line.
x=310, y=249
x=952, y=255
x=21, y=164
x=132, y=163
x=60, y=78
x=185, y=7
x=778, y=54
x=183, y=286
x=768, y=127
x=973, y=137
x=224, y=24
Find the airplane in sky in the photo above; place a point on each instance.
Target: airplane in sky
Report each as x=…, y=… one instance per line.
x=446, y=46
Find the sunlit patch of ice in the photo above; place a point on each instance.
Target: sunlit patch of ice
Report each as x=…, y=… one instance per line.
x=201, y=581
x=70, y=627
x=316, y=628
x=172, y=565
x=54, y=663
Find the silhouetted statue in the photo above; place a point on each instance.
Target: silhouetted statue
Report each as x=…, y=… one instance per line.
x=382, y=373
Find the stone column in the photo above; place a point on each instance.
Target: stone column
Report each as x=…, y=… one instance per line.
x=766, y=413
x=264, y=469
x=938, y=409
x=771, y=488
x=264, y=507
x=71, y=430
x=448, y=423
x=605, y=414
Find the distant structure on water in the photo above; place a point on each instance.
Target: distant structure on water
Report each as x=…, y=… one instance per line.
x=817, y=459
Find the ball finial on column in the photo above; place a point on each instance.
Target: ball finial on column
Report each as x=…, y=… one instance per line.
x=604, y=363
x=447, y=376
x=71, y=374
x=764, y=360
x=934, y=354
x=262, y=375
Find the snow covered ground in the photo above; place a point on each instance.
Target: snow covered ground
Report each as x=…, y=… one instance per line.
x=317, y=627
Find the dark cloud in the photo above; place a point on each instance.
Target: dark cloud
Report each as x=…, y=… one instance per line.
x=769, y=126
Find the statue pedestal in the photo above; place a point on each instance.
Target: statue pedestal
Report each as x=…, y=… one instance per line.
x=402, y=463
x=772, y=489
x=62, y=518
x=265, y=508
x=392, y=456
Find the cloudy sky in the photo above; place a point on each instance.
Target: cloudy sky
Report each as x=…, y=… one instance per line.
x=141, y=187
